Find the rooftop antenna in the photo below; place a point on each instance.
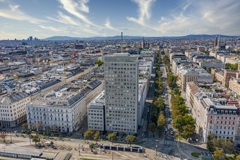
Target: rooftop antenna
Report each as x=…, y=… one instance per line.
x=121, y=42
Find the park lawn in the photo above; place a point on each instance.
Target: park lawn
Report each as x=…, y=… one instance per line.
x=195, y=154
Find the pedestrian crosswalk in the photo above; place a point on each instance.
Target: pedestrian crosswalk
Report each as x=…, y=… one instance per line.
x=168, y=142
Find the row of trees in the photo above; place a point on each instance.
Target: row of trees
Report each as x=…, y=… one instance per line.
x=157, y=117
x=231, y=66
x=166, y=61
x=95, y=135
x=172, y=80
x=182, y=121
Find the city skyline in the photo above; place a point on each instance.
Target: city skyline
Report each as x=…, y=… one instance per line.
x=90, y=18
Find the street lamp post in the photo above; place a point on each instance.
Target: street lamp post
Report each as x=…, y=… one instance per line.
x=156, y=149
x=79, y=149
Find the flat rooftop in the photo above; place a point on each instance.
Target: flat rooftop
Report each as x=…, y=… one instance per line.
x=67, y=94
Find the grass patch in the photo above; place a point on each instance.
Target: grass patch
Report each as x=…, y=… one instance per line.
x=195, y=154
x=179, y=137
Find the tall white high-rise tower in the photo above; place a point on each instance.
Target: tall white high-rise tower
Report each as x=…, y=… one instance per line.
x=121, y=92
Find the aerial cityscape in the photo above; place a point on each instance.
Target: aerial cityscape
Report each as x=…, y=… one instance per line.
x=119, y=80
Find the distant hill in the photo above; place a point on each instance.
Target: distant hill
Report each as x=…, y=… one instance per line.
x=191, y=36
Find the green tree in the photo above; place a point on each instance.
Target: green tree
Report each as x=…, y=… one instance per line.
x=231, y=66
x=228, y=146
x=130, y=139
x=176, y=91
x=188, y=130
x=211, y=137
x=159, y=104
x=154, y=115
x=172, y=80
x=89, y=134
x=96, y=136
x=161, y=121
x=210, y=144
x=3, y=136
x=24, y=126
x=178, y=123
x=91, y=146
x=112, y=137
x=238, y=157
x=152, y=127
x=182, y=109
x=218, y=153
x=35, y=139
x=99, y=62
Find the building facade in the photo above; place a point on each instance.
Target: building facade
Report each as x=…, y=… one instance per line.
x=121, y=92
x=13, y=109
x=64, y=109
x=96, y=113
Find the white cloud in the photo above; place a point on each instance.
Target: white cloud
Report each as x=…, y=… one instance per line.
x=62, y=18
x=222, y=15
x=204, y=17
x=16, y=14
x=50, y=28
x=109, y=26
x=75, y=8
x=144, y=9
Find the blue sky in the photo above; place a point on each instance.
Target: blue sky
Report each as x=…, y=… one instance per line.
x=88, y=18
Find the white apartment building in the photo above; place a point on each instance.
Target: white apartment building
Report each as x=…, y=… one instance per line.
x=12, y=109
x=64, y=109
x=211, y=63
x=121, y=92
x=96, y=108
x=96, y=113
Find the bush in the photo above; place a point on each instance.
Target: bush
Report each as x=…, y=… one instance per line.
x=229, y=157
x=195, y=154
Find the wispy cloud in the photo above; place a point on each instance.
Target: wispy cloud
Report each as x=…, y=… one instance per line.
x=221, y=14
x=204, y=17
x=50, y=28
x=109, y=26
x=144, y=11
x=62, y=18
x=75, y=8
x=14, y=12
